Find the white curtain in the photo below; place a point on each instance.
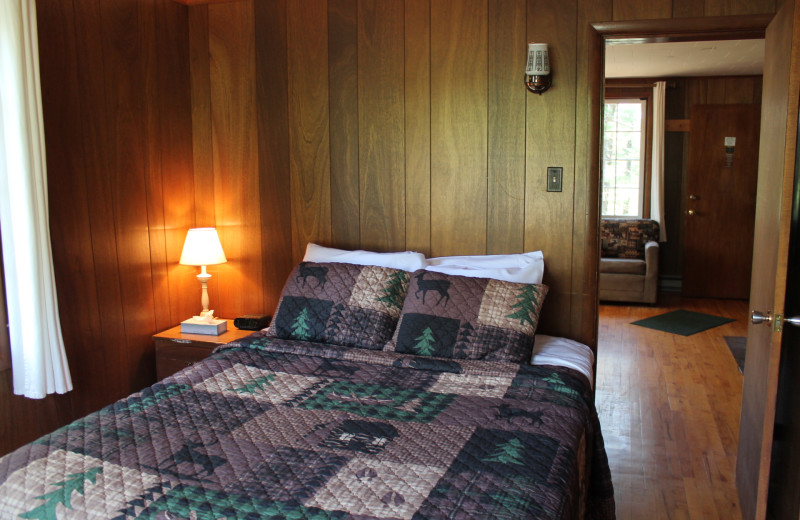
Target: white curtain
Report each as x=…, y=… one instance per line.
x=657, y=173
x=38, y=361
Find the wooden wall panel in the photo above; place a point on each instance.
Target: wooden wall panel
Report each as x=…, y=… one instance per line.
x=236, y=184
x=506, y=127
x=202, y=149
x=550, y=141
x=24, y=420
x=740, y=7
x=458, y=126
x=586, y=196
x=96, y=147
x=273, y=153
x=343, y=62
x=418, y=125
x=309, y=126
x=638, y=10
x=381, y=143
x=687, y=9
x=129, y=119
x=151, y=40
x=176, y=207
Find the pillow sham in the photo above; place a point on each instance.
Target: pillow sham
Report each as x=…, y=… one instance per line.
x=469, y=318
x=405, y=260
x=520, y=268
x=341, y=304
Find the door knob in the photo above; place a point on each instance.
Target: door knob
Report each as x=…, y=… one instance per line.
x=757, y=317
x=690, y=212
x=794, y=320
x=693, y=197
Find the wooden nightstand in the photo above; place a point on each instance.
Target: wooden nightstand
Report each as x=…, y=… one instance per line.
x=176, y=350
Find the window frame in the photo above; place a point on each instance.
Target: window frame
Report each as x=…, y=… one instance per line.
x=627, y=89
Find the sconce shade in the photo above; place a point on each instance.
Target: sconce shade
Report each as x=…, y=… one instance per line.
x=537, y=68
x=538, y=63
x=202, y=247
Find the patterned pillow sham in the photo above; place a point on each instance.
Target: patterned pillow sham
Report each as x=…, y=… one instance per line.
x=341, y=304
x=474, y=318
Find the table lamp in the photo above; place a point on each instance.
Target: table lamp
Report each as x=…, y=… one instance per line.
x=202, y=248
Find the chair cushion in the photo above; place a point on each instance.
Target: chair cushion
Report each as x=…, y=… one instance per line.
x=622, y=266
x=625, y=238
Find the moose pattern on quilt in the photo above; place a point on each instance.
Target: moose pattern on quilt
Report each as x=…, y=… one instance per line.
x=469, y=318
x=342, y=304
x=273, y=428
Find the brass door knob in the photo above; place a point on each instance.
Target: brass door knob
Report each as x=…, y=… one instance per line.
x=690, y=212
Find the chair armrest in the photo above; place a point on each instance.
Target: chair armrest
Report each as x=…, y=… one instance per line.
x=651, y=274
x=651, y=250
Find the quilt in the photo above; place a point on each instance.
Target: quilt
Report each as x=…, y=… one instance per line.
x=287, y=429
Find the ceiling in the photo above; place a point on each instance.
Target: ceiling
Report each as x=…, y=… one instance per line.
x=682, y=59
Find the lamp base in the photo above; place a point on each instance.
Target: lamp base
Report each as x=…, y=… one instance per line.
x=210, y=328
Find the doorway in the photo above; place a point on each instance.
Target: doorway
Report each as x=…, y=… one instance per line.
x=667, y=30
x=697, y=184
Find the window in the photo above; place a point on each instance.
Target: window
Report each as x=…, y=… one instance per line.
x=625, y=158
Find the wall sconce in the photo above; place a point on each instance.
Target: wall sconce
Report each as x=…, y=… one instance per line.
x=537, y=69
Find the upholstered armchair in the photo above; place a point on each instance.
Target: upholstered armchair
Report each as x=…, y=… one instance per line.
x=628, y=260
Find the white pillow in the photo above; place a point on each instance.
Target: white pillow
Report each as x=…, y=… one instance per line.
x=405, y=260
x=520, y=268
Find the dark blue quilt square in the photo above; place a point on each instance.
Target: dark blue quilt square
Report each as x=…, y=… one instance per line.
x=427, y=335
x=302, y=318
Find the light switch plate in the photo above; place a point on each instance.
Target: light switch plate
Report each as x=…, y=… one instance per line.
x=554, y=177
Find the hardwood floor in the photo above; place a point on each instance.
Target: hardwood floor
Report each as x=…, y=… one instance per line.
x=669, y=409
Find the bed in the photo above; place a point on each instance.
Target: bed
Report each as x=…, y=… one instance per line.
x=375, y=393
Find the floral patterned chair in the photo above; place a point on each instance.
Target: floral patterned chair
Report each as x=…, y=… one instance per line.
x=628, y=260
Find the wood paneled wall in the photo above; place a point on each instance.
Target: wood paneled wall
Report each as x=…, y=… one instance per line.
x=383, y=124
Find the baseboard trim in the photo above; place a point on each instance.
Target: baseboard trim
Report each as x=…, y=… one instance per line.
x=670, y=284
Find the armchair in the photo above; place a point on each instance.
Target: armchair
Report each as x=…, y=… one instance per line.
x=628, y=260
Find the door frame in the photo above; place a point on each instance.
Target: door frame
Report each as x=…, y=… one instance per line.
x=635, y=31
x=642, y=31
x=639, y=31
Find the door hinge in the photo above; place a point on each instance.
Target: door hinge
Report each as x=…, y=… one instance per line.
x=777, y=323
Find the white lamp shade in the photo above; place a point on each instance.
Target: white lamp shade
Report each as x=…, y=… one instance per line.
x=538, y=63
x=202, y=247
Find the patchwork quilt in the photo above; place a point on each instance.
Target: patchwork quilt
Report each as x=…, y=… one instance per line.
x=287, y=429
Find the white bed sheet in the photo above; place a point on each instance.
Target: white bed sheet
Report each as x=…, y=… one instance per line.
x=564, y=352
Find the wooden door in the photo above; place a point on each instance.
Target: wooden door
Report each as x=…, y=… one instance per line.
x=784, y=474
x=721, y=188
x=771, y=244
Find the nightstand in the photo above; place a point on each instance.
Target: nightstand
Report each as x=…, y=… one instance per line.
x=176, y=350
